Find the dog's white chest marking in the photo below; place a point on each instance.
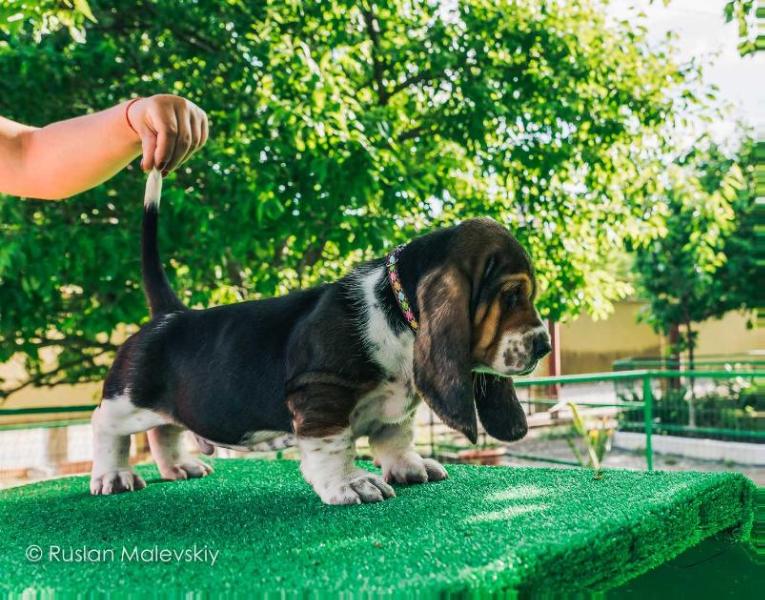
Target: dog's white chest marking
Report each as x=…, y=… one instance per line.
x=394, y=400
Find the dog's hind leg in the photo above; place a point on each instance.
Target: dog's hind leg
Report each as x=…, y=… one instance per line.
x=173, y=461
x=113, y=422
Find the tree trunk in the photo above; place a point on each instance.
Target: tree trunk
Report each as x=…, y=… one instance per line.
x=553, y=358
x=673, y=364
x=691, y=366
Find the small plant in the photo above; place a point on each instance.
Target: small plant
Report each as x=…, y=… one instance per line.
x=597, y=441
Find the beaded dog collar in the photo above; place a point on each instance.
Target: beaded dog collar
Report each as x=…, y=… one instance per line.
x=391, y=264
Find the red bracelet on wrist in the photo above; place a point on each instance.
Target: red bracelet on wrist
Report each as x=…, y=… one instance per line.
x=127, y=113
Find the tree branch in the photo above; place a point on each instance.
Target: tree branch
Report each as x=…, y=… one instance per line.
x=188, y=35
x=279, y=252
x=378, y=67
x=76, y=343
x=413, y=80
x=415, y=132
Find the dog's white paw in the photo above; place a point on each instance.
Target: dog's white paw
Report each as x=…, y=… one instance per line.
x=116, y=482
x=357, y=488
x=190, y=468
x=436, y=471
x=412, y=468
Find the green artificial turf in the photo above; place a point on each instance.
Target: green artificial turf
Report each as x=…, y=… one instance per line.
x=485, y=529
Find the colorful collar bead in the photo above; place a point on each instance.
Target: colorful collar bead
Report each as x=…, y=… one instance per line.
x=391, y=264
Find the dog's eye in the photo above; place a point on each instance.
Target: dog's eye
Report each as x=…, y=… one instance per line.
x=511, y=298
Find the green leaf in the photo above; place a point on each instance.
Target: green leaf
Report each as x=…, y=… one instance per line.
x=83, y=7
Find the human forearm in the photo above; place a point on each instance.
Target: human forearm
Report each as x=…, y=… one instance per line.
x=68, y=157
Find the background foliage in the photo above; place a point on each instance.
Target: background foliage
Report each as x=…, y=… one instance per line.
x=338, y=129
x=705, y=263
x=45, y=16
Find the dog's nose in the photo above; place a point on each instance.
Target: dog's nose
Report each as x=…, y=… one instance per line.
x=541, y=346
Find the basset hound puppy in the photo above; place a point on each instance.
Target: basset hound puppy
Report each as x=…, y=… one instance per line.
x=448, y=318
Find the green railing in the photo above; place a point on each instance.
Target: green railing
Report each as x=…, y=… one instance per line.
x=46, y=410
x=707, y=361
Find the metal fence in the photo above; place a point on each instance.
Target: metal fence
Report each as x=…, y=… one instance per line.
x=716, y=362
x=688, y=408
x=721, y=405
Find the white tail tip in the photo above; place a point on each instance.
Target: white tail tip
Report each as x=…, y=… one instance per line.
x=153, y=189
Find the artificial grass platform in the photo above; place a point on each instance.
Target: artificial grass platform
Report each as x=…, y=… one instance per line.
x=484, y=530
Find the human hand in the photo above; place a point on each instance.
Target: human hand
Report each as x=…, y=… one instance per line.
x=171, y=129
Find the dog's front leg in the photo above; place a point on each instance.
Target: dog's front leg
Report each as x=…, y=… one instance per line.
x=393, y=448
x=327, y=463
x=321, y=421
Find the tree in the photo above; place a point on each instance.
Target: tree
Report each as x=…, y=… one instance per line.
x=339, y=129
x=749, y=16
x=704, y=264
x=45, y=16
x=746, y=13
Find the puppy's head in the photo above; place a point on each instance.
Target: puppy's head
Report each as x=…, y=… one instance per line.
x=477, y=314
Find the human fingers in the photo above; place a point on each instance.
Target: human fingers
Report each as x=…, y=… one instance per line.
x=167, y=136
x=183, y=140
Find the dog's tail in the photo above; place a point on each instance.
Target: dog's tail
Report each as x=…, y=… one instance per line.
x=160, y=295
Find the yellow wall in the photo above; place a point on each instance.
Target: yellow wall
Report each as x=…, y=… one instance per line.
x=592, y=346
x=729, y=335
x=60, y=395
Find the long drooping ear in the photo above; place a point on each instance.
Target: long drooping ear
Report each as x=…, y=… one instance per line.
x=442, y=361
x=499, y=409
